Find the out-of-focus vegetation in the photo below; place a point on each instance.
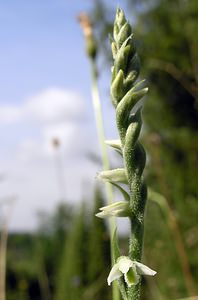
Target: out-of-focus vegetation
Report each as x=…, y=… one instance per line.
x=68, y=258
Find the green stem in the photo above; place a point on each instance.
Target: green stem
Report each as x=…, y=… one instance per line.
x=137, y=204
x=136, y=242
x=105, y=159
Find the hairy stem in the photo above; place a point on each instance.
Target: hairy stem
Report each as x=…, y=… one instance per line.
x=126, y=93
x=137, y=202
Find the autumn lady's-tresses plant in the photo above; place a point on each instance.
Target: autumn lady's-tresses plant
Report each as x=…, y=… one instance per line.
x=126, y=95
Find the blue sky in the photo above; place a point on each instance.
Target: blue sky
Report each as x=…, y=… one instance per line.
x=41, y=44
x=45, y=93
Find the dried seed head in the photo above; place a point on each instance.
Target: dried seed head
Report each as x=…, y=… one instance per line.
x=91, y=46
x=85, y=23
x=55, y=142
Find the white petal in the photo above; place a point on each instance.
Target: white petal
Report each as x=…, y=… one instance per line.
x=124, y=264
x=101, y=215
x=115, y=175
x=115, y=206
x=114, y=143
x=114, y=274
x=144, y=270
x=117, y=209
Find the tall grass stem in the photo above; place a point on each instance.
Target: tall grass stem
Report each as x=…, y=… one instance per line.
x=105, y=160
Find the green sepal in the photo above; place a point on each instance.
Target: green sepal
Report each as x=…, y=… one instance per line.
x=134, y=128
x=134, y=153
x=120, y=19
x=115, y=30
x=122, y=58
x=113, y=49
x=139, y=84
x=131, y=78
x=123, y=34
x=134, y=64
x=117, y=91
x=124, y=109
x=129, y=101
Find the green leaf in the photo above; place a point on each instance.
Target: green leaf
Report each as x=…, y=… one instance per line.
x=116, y=250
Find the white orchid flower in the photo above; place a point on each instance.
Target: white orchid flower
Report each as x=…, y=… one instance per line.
x=117, y=209
x=130, y=269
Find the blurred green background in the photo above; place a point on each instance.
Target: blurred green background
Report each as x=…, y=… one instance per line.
x=68, y=257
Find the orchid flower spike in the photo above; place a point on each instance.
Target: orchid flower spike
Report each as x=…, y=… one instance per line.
x=117, y=209
x=130, y=269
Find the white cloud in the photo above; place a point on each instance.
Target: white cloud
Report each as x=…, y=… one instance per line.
x=30, y=149
x=75, y=140
x=38, y=187
x=64, y=132
x=55, y=104
x=51, y=105
x=53, y=113
x=30, y=165
x=10, y=114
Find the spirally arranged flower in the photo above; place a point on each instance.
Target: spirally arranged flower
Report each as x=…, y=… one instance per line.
x=130, y=269
x=117, y=209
